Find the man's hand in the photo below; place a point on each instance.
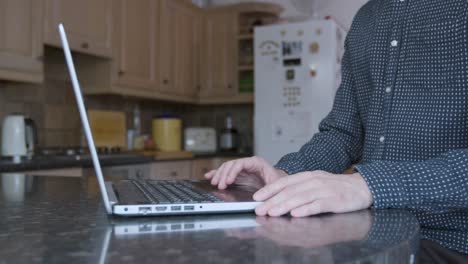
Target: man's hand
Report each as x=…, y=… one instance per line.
x=311, y=193
x=252, y=167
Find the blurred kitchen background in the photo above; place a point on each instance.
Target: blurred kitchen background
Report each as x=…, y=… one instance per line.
x=186, y=60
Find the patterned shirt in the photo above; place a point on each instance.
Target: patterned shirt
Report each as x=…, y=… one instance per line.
x=401, y=111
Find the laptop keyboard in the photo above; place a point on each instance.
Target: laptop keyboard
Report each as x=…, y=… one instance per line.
x=166, y=192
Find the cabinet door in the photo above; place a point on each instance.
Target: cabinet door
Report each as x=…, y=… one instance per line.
x=171, y=170
x=200, y=167
x=21, y=40
x=218, y=60
x=167, y=49
x=179, y=43
x=187, y=44
x=136, y=24
x=88, y=24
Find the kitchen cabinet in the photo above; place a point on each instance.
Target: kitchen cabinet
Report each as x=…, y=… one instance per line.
x=143, y=55
x=227, y=60
x=179, y=48
x=200, y=167
x=88, y=24
x=219, y=55
x=172, y=50
x=171, y=170
x=21, y=48
x=136, y=40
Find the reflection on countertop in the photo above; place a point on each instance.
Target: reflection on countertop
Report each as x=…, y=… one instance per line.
x=57, y=220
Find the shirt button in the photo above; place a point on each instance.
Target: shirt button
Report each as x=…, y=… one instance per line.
x=394, y=43
x=382, y=139
x=388, y=89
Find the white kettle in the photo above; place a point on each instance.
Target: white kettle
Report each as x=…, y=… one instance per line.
x=19, y=136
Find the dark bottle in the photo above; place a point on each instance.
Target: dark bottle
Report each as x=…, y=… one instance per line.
x=229, y=137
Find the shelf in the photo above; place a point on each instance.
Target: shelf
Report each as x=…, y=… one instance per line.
x=245, y=37
x=245, y=67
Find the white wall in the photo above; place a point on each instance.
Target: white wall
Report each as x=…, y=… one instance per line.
x=342, y=11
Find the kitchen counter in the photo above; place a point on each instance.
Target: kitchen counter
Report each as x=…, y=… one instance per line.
x=47, y=163
x=62, y=220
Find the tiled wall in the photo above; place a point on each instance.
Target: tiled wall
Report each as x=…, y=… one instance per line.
x=53, y=108
x=191, y=115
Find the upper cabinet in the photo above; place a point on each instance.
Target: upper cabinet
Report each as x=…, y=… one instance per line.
x=228, y=59
x=219, y=56
x=179, y=51
x=21, y=47
x=156, y=49
x=136, y=44
x=88, y=24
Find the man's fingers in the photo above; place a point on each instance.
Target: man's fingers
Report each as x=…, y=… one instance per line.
x=219, y=172
x=271, y=189
x=288, y=204
x=210, y=174
x=286, y=195
x=231, y=173
x=314, y=208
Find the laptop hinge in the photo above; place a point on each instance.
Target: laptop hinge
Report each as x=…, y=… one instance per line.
x=110, y=192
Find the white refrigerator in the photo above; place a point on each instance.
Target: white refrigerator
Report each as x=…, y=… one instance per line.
x=297, y=73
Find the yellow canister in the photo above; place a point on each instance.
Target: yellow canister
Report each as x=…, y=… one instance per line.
x=167, y=133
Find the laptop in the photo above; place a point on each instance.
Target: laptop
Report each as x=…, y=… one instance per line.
x=157, y=197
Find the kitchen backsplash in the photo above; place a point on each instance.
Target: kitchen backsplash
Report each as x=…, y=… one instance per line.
x=51, y=105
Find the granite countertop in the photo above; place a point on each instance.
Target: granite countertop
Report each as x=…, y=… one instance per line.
x=62, y=220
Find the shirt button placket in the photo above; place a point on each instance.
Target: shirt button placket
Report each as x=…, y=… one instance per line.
x=399, y=10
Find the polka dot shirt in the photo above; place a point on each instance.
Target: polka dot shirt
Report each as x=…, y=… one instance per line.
x=401, y=112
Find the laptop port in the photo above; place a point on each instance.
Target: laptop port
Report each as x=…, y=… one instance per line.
x=160, y=208
x=176, y=227
x=176, y=208
x=144, y=210
x=189, y=208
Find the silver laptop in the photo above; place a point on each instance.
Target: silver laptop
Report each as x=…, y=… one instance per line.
x=153, y=197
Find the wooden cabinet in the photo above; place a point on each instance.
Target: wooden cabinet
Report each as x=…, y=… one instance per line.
x=179, y=44
x=171, y=170
x=136, y=40
x=219, y=55
x=21, y=48
x=172, y=50
x=200, y=167
x=88, y=24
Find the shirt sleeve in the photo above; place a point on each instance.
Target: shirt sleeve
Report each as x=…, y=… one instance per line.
x=436, y=183
x=340, y=138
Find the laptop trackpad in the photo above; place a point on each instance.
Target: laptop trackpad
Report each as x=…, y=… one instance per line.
x=234, y=193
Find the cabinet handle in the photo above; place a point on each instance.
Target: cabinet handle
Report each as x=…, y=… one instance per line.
x=84, y=45
x=165, y=81
x=174, y=174
x=120, y=73
x=139, y=174
x=229, y=86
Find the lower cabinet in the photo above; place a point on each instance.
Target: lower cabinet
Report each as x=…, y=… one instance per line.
x=200, y=167
x=171, y=170
x=186, y=169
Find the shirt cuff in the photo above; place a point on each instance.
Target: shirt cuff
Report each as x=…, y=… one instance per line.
x=384, y=180
x=289, y=164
